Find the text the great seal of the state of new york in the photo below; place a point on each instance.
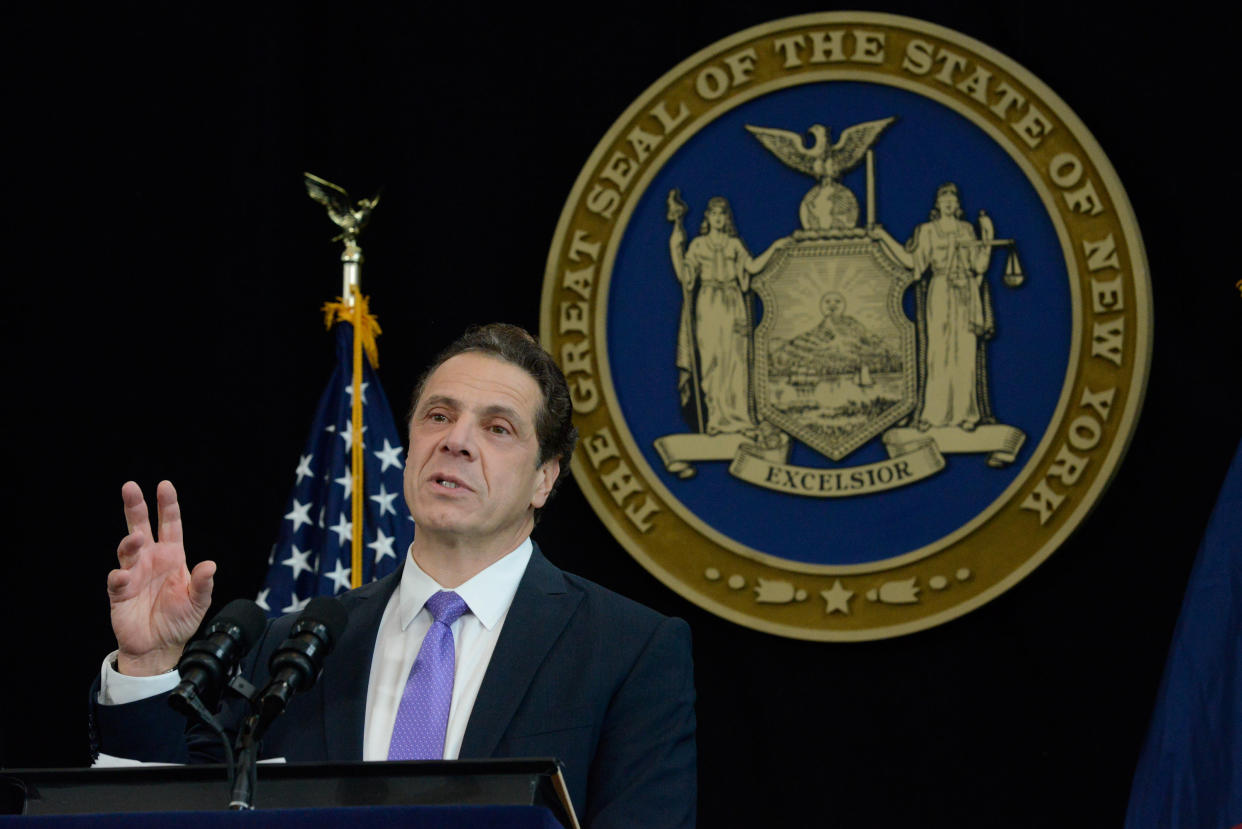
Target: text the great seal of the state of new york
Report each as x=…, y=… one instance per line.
x=856, y=320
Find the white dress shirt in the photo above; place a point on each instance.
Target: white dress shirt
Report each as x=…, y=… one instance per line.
x=401, y=632
x=404, y=624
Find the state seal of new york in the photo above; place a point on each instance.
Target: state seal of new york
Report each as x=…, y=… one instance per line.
x=857, y=322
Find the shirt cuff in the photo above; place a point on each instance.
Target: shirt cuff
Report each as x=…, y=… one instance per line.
x=115, y=688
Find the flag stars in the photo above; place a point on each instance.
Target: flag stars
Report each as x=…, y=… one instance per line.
x=344, y=530
x=295, y=604
x=304, y=470
x=346, y=480
x=323, y=525
x=382, y=545
x=389, y=456
x=339, y=577
x=347, y=434
x=298, y=561
x=385, y=499
x=300, y=514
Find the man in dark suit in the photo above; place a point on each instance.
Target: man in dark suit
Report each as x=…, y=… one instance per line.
x=545, y=663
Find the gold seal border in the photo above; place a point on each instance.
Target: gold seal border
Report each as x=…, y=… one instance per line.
x=1137, y=346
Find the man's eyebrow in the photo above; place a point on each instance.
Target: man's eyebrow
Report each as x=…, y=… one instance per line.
x=494, y=410
x=439, y=400
x=507, y=412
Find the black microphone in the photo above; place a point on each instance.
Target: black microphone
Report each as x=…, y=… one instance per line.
x=206, y=663
x=296, y=664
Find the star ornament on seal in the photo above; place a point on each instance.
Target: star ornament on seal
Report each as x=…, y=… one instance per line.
x=892, y=370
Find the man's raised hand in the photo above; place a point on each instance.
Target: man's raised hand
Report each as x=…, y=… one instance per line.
x=157, y=603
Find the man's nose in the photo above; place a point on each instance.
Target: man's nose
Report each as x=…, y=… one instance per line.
x=459, y=440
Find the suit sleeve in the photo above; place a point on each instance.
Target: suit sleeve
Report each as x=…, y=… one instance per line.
x=147, y=729
x=645, y=768
x=151, y=731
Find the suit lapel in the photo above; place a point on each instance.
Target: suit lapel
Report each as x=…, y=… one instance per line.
x=541, y=608
x=348, y=672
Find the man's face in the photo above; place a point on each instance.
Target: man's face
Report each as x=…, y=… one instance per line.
x=471, y=476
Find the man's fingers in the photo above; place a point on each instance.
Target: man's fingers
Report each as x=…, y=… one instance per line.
x=202, y=579
x=127, y=551
x=118, y=580
x=135, y=508
x=169, y=513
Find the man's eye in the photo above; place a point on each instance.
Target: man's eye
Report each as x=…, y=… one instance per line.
x=437, y=417
x=497, y=429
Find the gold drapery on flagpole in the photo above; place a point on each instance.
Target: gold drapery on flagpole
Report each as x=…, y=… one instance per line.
x=366, y=328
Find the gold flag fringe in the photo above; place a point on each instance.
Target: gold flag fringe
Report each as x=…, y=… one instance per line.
x=334, y=312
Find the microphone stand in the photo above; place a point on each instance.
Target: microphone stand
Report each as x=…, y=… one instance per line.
x=190, y=703
x=243, y=782
x=295, y=665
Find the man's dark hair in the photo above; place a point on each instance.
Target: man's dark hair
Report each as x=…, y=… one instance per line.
x=554, y=425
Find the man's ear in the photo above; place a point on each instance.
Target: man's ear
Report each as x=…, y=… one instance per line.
x=545, y=478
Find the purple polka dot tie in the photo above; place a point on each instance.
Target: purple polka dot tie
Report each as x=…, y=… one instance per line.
x=422, y=718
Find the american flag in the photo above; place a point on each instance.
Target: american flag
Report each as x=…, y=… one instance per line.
x=312, y=555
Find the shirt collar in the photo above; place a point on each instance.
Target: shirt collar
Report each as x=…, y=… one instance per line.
x=488, y=593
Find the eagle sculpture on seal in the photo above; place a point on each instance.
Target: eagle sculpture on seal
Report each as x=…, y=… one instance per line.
x=828, y=204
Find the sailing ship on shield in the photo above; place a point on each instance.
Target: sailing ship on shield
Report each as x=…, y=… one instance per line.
x=835, y=362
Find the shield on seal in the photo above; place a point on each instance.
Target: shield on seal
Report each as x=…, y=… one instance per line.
x=835, y=355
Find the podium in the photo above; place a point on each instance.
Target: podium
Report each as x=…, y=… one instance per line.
x=511, y=792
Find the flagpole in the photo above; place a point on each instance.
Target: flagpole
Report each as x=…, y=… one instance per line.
x=359, y=490
x=351, y=272
x=311, y=556
x=351, y=218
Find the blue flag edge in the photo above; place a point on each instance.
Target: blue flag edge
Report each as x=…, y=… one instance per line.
x=1190, y=770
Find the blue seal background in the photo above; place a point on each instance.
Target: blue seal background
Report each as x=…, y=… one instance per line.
x=928, y=145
